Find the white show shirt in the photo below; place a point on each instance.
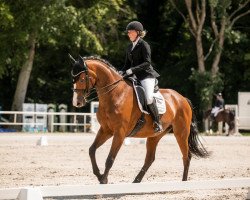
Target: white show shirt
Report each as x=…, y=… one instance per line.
x=135, y=42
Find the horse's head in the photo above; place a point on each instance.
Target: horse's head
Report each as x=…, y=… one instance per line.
x=82, y=83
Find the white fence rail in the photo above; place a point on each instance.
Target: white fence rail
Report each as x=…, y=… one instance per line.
x=51, y=119
x=39, y=193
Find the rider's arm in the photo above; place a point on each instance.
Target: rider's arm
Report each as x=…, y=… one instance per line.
x=146, y=54
x=222, y=103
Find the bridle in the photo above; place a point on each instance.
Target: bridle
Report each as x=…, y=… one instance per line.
x=88, y=91
x=84, y=69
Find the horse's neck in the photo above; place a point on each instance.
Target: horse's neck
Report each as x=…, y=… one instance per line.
x=102, y=73
x=105, y=79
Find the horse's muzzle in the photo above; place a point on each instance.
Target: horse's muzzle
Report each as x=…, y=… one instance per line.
x=79, y=101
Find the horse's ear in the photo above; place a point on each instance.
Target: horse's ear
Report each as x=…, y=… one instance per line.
x=72, y=60
x=80, y=59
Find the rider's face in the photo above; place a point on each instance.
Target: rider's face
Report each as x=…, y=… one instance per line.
x=132, y=34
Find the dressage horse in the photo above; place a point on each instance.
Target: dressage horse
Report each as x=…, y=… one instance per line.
x=118, y=113
x=225, y=115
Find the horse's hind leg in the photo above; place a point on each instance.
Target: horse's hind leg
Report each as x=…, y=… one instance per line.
x=100, y=139
x=231, y=127
x=182, y=133
x=150, y=156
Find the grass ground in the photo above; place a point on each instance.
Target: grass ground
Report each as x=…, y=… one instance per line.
x=245, y=133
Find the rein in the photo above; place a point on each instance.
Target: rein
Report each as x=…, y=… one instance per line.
x=115, y=85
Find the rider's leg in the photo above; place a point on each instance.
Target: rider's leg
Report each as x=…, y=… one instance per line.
x=148, y=84
x=155, y=115
x=215, y=110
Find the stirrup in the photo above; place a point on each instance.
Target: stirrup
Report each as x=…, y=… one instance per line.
x=157, y=127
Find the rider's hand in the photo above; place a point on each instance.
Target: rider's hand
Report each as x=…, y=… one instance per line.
x=129, y=72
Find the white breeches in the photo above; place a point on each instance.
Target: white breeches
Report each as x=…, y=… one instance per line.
x=215, y=110
x=148, y=84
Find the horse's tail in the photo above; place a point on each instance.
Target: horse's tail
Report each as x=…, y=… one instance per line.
x=195, y=146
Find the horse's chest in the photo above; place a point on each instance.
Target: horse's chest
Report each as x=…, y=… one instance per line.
x=106, y=117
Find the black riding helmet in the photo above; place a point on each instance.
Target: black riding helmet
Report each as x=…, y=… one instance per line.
x=134, y=25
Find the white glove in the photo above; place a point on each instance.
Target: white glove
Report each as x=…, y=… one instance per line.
x=129, y=71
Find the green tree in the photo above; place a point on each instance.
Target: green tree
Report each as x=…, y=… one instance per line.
x=221, y=16
x=56, y=24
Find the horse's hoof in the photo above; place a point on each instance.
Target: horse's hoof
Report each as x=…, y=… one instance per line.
x=103, y=180
x=136, y=181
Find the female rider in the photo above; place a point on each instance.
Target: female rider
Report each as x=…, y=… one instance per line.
x=138, y=62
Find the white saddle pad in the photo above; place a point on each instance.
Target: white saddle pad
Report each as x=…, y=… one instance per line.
x=160, y=102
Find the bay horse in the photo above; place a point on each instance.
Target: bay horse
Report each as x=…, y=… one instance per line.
x=225, y=115
x=118, y=113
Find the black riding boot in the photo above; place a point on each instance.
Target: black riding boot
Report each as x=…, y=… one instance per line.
x=155, y=116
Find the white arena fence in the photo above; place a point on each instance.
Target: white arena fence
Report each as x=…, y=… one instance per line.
x=53, y=120
x=38, y=193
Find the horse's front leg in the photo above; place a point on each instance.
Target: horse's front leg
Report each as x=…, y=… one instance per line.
x=115, y=147
x=100, y=139
x=150, y=156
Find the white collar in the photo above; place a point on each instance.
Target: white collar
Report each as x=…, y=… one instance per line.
x=135, y=42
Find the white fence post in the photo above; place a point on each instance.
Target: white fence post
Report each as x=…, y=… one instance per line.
x=30, y=194
x=52, y=124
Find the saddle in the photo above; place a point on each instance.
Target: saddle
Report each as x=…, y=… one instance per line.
x=141, y=96
x=142, y=103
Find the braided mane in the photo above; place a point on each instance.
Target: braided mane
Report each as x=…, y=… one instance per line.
x=101, y=60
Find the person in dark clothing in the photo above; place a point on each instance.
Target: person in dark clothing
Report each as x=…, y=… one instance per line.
x=138, y=63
